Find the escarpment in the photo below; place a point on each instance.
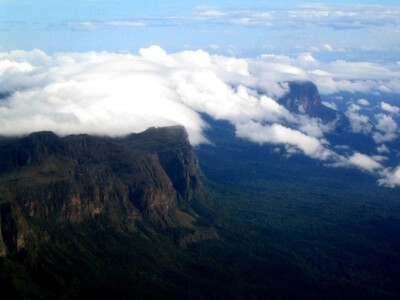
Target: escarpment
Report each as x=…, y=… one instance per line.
x=143, y=177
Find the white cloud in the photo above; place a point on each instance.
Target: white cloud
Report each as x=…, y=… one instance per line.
x=278, y=134
x=14, y=67
x=328, y=47
x=87, y=25
x=95, y=25
x=213, y=13
x=126, y=23
x=116, y=94
x=364, y=162
x=345, y=16
x=360, y=70
x=363, y=102
x=390, y=178
x=387, y=129
x=312, y=126
x=224, y=87
x=251, y=22
x=353, y=107
x=330, y=105
x=390, y=108
x=231, y=16
x=157, y=56
x=343, y=76
x=306, y=60
x=213, y=46
x=341, y=17
x=358, y=123
x=379, y=158
x=382, y=149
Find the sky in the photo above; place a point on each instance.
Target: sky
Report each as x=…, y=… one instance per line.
x=116, y=67
x=353, y=30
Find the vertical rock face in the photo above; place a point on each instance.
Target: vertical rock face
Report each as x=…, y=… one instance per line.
x=181, y=167
x=9, y=234
x=176, y=157
x=144, y=176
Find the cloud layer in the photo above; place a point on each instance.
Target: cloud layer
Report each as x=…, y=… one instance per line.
x=116, y=94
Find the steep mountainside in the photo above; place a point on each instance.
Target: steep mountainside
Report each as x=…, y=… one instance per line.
x=51, y=185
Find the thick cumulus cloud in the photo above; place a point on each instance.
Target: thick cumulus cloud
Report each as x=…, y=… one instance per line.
x=116, y=94
x=98, y=93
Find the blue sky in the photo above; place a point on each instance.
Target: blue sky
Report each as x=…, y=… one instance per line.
x=366, y=30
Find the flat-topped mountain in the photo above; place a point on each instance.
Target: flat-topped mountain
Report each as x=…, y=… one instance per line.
x=51, y=186
x=303, y=97
x=77, y=177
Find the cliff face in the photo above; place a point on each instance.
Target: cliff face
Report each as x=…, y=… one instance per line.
x=44, y=178
x=176, y=157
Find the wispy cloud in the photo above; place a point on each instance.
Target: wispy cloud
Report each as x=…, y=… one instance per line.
x=346, y=16
x=374, y=29
x=226, y=16
x=83, y=25
x=212, y=13
x=126, y=23
x=330, y=15
x=94, y=25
